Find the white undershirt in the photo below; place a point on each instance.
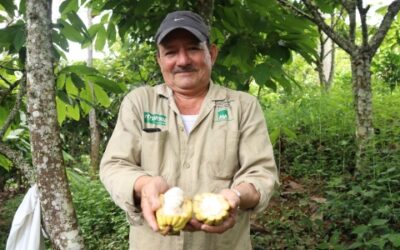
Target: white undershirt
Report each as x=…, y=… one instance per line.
x=188, y=122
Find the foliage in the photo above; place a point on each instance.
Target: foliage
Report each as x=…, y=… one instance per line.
x=252, y=36
x=103, y=224
x=7, y=210
x=365, y=210
x=313, y=121
x=387, y=67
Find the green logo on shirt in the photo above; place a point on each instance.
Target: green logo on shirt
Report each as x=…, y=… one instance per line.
x=156, y=119
x=222, y=115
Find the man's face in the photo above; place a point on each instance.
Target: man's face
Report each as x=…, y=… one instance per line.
x=185, y=62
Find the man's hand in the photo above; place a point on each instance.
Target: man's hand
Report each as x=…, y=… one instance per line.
x=148, y=190
x=228, y=223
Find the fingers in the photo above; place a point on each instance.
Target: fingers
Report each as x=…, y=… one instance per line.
x=227, y=224
x=148, y=210
x=150, y=200
x=193, y=225
x=231, y=197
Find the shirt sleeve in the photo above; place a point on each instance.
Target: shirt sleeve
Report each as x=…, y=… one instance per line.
x=257, y=164
x=120, y=164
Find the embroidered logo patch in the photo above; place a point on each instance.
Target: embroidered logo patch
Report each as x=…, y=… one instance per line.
x=222, y=115
x=156, y=119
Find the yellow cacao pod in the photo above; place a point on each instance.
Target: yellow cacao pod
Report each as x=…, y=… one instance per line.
x=211, y=209
x=171, y=221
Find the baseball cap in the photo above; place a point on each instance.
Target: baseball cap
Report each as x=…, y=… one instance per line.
x=183, y=19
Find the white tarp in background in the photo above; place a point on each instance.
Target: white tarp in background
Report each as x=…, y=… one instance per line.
x=25, y=233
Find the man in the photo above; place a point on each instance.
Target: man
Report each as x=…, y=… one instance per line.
x=192, y=134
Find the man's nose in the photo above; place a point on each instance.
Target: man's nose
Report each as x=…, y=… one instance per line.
x=183, y=58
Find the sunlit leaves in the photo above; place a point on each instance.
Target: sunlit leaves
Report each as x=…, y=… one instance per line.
x=8, y=6
x=75, y=94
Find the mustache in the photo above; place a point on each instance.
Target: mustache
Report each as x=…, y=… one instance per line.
x=184, y=69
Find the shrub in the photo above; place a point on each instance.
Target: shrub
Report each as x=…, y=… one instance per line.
x=103, y=224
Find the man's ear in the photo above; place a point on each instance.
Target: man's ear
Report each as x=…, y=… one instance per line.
x=158, y=56
x=213, y=53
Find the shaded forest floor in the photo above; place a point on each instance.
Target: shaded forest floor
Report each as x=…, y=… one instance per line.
x=292, y=219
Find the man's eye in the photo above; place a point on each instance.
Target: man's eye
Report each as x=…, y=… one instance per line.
x=170, y=52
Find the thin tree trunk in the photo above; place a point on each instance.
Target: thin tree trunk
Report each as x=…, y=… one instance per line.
x=362, y=92
x=206, y=8
x=94, y=131
x=361, y=56
x=55, y=198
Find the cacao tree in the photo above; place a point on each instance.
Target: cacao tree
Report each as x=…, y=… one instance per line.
x=55, y=198
x=361, y=50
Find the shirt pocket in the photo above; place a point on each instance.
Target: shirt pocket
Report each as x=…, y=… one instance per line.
x=222, y=153
x=153, y=151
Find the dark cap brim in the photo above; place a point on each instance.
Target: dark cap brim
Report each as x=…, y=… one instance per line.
x=195, y=32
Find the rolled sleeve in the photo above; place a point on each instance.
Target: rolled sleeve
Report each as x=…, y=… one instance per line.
x=257, y=164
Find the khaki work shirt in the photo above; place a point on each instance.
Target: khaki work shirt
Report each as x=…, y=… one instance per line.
x=228, y=145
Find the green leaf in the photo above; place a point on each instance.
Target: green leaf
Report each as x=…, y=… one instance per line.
x=101, y=96
x=5, y=163
x=395, y=239
x=71, y=89
x=77, y=81
x=279, y=53
x=100, y=39
x=80, y=70
x=77, y=22
x=261, y=73
x=14, y=134
x=377, y=242
x=61, y=110
x=19, y=39
x=64, y=97
x=289, y=133
x=22, y=6
x=360, y=229
x=67, y=157
x=71, y=33
x=86, y=100
x=378, y=222
x=356, y=245
x=60, y=81
x=68, y=6
x=73, y=112
x=105, y=83
x=274, y=135
x=9, y=7
x=60, y=40
x=94, y=29
x=111, y=33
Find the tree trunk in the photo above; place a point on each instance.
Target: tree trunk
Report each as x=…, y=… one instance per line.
x=362, y=92
x=55, y=198
x=206, y=8
x=94, y=131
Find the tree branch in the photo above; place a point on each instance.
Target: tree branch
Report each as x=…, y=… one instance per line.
x=364, y=27
x=351, y=10
x=16, y=107
x=380, y=34
x=294, y=9
x=5, y=92
x=19, y=162
x=345, y=44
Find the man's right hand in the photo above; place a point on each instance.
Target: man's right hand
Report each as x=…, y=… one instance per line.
x=148, y=190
